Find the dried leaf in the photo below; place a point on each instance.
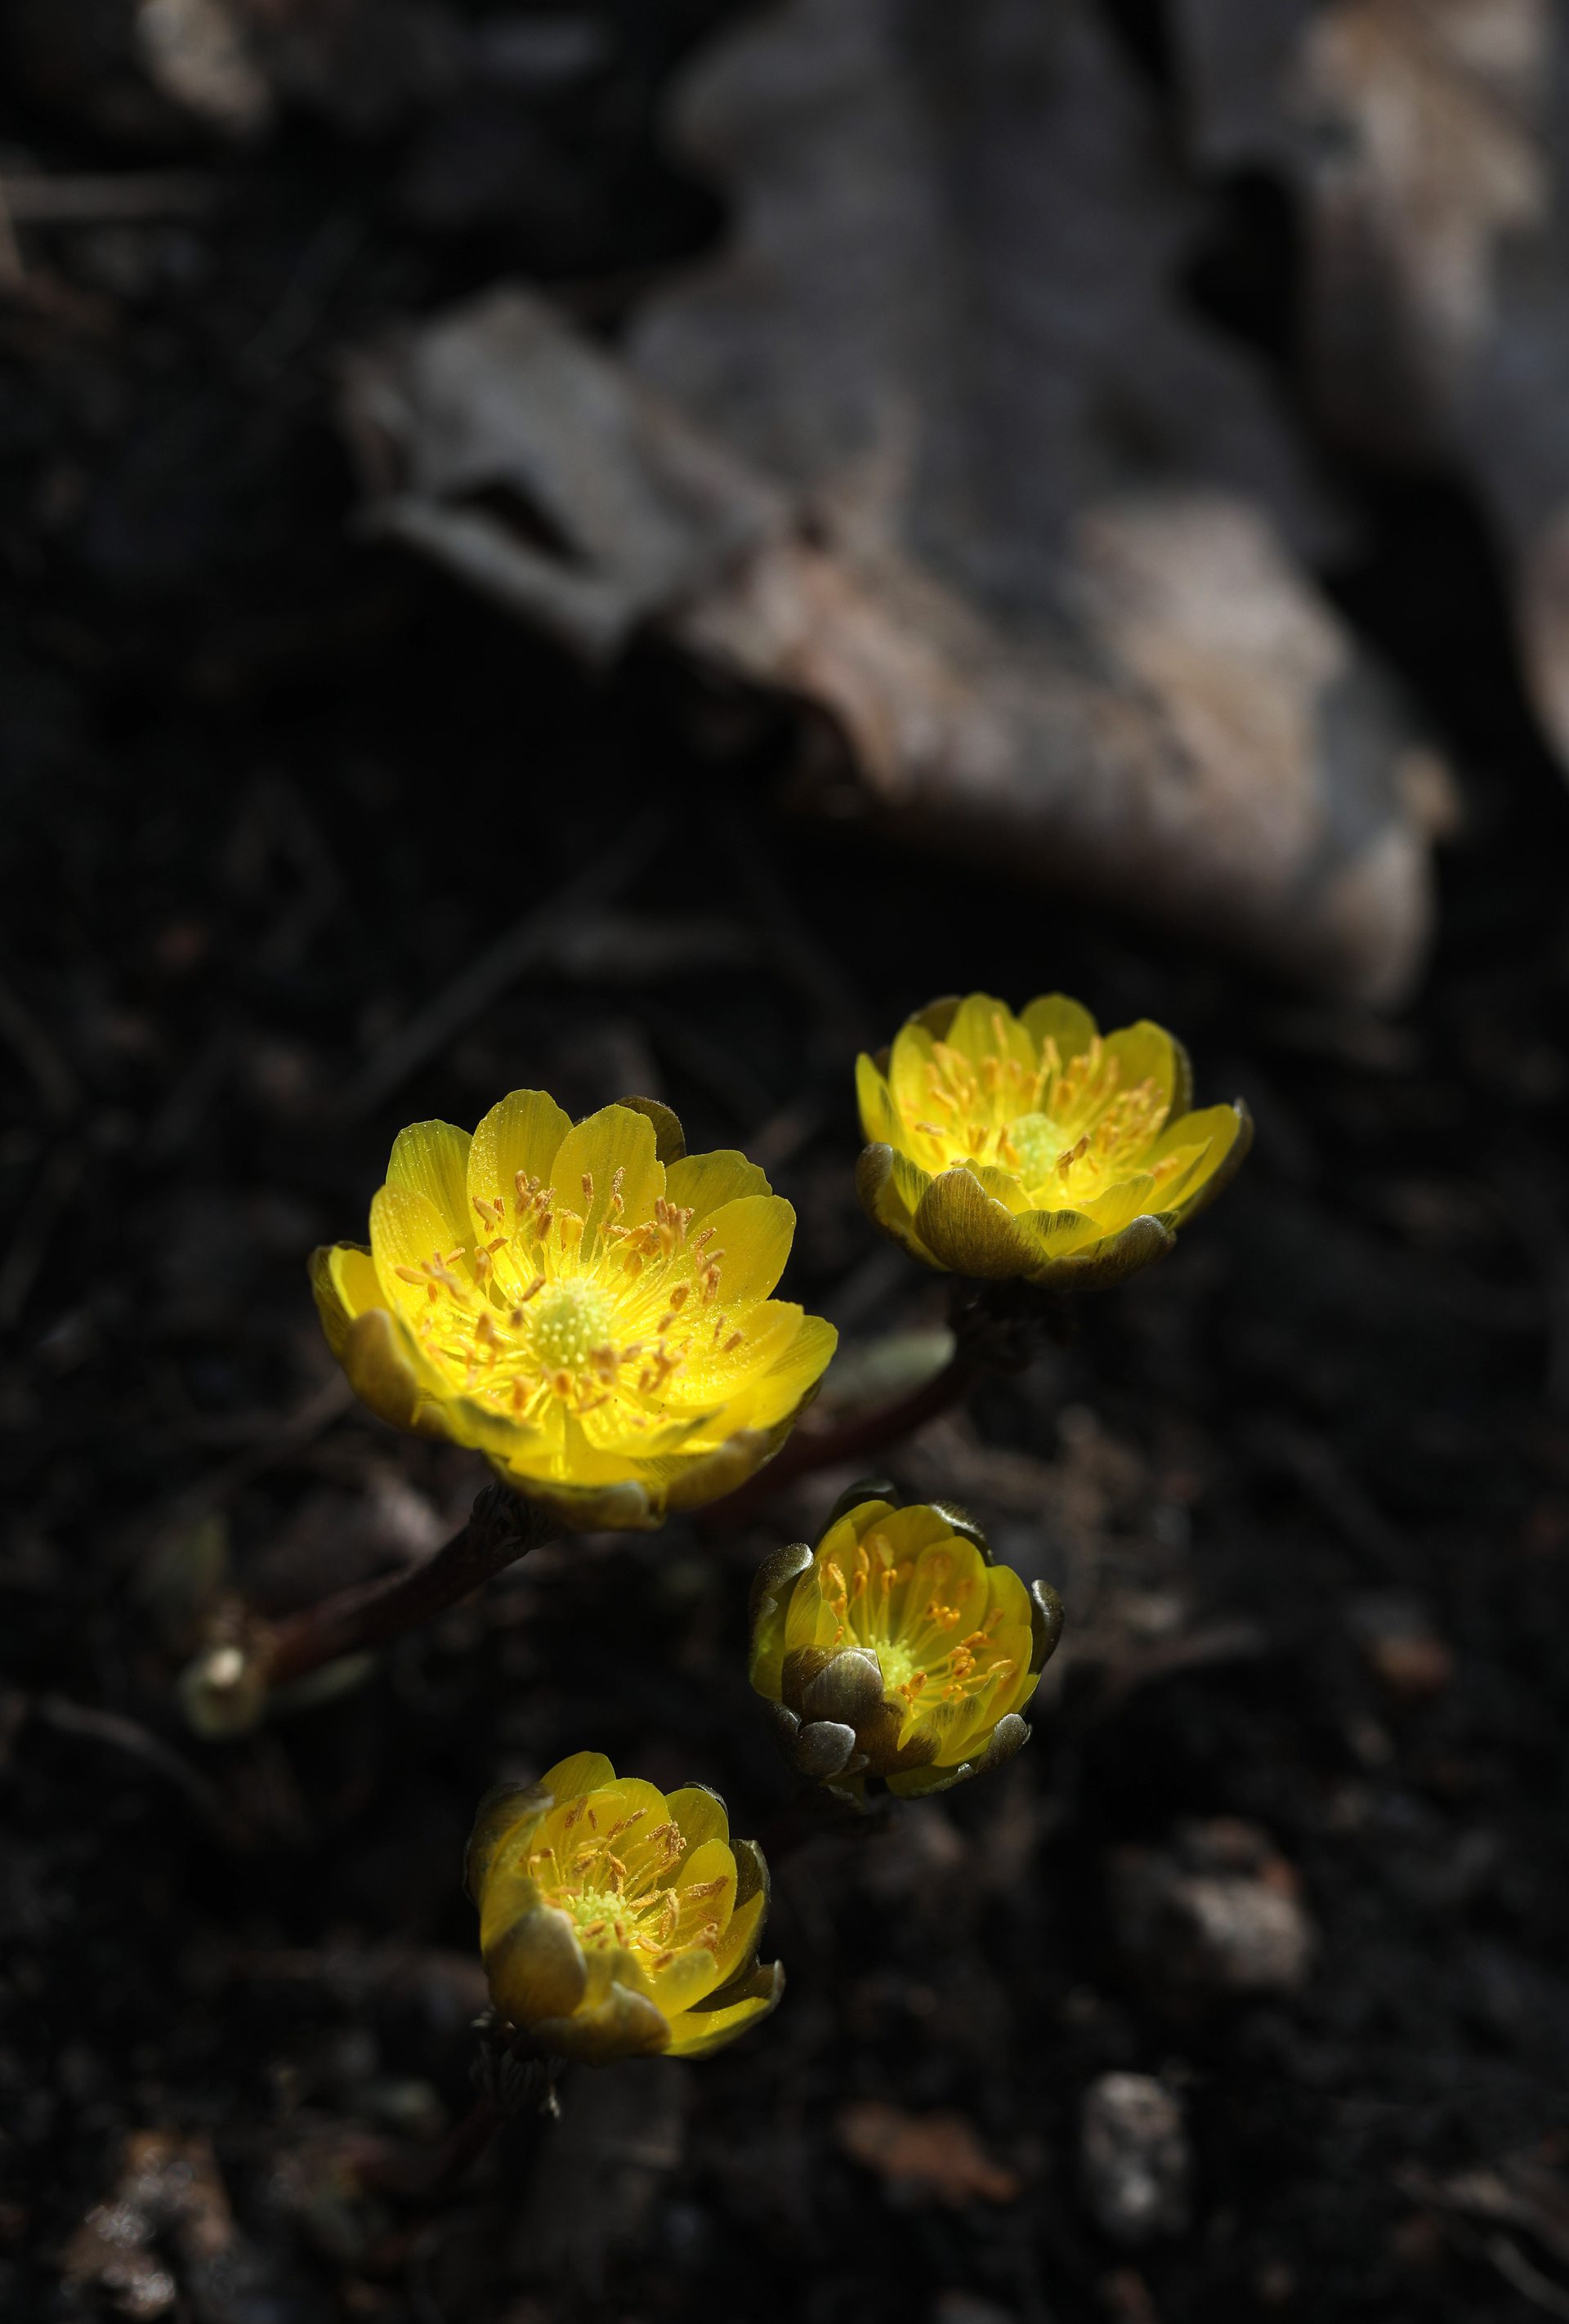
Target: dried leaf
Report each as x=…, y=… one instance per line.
x=932, y=2157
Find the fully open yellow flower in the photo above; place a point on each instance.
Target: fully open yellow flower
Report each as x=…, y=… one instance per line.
x=897, y=1648
x=616, y=1922
x=1034, y=1146
x=588, y=1306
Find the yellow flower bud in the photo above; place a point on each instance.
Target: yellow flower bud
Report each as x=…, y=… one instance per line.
x=898, y=1648
x=615, y=1921
x=1034, y=1146
x=589, y=1308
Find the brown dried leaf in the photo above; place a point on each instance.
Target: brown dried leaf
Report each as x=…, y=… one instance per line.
x=934, y=2157
x=1428, y=141
x=1049, y=590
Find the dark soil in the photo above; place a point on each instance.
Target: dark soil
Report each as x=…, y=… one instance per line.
x=268, y=791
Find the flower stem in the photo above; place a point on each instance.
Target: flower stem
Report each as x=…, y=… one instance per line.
x=500, y=1529
x=226, y=1689
x=996, y=1327
x=807, y=1450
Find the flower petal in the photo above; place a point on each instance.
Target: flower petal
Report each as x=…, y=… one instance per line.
x=409, y=1229
x=1054, y=1017
x=699, y=1183
x=700, y=1814
x=382, y=1369
x=522, y=1135
x=506, y=1809
x=536, y=1968
x=343, y=1277
x=754, y=1235
x=984, y=1028
x=702, y=2030
x=879, y=1119
x=430, y=1159
x=611, y=1140
x=909, y=1073
x=624, y=2024
x=570, y=1778
x=968, y=1231
x=1146, y=1052
x=1226, y=1134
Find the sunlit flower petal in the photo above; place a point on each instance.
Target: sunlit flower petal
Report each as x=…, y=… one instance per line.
x=1035, y=1147
x=617, y=1921
x=898, y=1648
x=596, y=1321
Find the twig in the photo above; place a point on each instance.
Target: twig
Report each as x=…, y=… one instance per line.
x=226, y=1688
x=125, y=1735
x=501, y=1528
x=486, y=979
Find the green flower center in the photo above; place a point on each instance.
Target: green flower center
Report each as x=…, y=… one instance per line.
x=1038, y=1143
x=568, y=1321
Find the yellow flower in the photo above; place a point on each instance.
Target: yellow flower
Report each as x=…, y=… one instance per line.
x=897, y=1648
x=1034, y=1146
x=615, y=1922
x=589, y=1308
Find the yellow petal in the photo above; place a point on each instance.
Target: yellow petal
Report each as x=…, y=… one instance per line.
x=794, y=1375
x=1146, y=1052
x=700, y=2031
x=879, y=1120
x=710, y=1867
x=506, y=1817
x=1053, y=1234
x=1112, y=1209
x=700, y=1183
x=909, y=1067
x=408, y=1230
x=1221, y=1136
x=754, y=1234
x=614, y=1429
x=984, y=1028
x=570, y=1778
x=699, y=1813
x=344, y=1279
x=430, y=1159
x=614, y=1139
x=682, y=1981
x=521, y=1134
x=1054, y=1017
x=739, y=1938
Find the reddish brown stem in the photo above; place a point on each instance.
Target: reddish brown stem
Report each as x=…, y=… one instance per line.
x=501, y=1528
x=869, y=1432
x=996, y=1327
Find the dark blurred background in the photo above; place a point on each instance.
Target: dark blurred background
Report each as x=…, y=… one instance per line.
x=305, y=837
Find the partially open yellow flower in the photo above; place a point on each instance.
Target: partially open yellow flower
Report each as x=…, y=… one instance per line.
x=588, y=1306
x=897, y=1648
x=615, y=1922
x=1034, y=1146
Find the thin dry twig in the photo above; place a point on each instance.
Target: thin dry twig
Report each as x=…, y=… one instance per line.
x=121, y=1734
